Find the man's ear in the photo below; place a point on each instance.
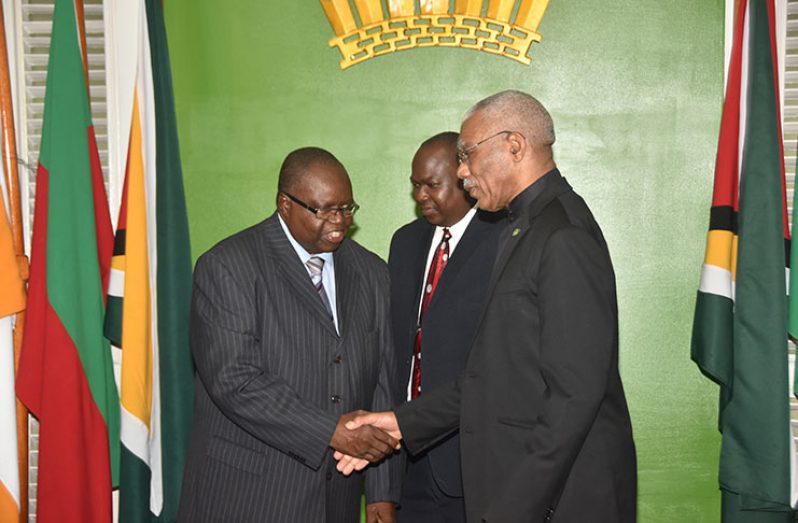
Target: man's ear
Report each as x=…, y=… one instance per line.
x=517, y=146
x=283, y=203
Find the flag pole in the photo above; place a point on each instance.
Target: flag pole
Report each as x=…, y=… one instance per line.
x=9, y=157
x=81, y=18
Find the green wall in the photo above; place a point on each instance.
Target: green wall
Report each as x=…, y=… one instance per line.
x=635, y=89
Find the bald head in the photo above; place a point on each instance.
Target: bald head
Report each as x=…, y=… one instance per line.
x=296, y=167
x=312, y=180
x=436, y=188
x=444, y=140
x=517, y=111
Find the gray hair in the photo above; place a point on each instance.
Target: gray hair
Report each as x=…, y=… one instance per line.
x=516, y=111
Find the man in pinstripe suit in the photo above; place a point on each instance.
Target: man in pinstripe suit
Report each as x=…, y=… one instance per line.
x=289, y=332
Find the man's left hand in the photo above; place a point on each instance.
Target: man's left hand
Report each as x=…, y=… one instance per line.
x=381, y=512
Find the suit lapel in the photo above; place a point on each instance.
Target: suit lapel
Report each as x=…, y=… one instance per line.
x=472, y=237
x=293, y=272
x=346, y=281
x=419, y=265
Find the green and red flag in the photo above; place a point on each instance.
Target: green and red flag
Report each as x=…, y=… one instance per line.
x=150, y=290
x=65, y=373
x=740, y=328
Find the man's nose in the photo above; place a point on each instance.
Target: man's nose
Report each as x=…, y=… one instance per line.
x=337, y=216
x=462, y=170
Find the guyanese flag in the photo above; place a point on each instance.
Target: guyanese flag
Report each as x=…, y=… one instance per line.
x=150, y=289
x=740, y=328
x=65, y=375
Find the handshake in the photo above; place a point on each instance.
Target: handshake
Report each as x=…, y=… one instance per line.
x=363, y=437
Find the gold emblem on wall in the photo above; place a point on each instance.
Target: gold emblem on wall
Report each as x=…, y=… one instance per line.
x=504, y=30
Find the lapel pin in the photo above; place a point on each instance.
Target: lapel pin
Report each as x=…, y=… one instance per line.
x=516, y=231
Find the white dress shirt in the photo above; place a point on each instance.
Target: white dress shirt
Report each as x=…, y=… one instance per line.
x=457, y=230
x=327, y=272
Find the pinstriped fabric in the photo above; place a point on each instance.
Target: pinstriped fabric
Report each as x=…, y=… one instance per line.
x=273, y=376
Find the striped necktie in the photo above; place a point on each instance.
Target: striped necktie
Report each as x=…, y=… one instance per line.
x=316, y=265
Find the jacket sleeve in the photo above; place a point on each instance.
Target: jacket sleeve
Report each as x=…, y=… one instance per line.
x=578, y=317
x=430, y=418
x=384, y=480
x=225, y=344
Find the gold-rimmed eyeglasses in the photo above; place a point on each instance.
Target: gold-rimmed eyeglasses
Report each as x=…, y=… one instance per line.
x=462, y=155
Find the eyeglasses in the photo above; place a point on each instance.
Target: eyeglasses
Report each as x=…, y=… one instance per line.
x=329, y=212
x=462, y=156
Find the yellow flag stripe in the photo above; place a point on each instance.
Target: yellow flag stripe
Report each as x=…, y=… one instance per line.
x=118, y=262
x=722, y=250
x=137, y=355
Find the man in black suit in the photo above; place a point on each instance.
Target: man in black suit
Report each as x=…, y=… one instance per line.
x=440, y=337
x=290, y=330
x=544, y=427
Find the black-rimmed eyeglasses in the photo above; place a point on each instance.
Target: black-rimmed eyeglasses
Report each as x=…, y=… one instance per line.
x=326, y=213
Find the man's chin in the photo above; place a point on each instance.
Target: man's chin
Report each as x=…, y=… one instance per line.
x=332, y=244
x=487, y=206
x=433, y=217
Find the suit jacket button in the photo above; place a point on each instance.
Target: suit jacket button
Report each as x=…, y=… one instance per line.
x=335, y=398
x=467, y=430
x=338, y=359
x=329, y=476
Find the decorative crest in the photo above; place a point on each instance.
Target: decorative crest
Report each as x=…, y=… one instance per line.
x=505, y=29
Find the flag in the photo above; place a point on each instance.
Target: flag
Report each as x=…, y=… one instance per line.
x=12, y=300
x=150, y=290
x=740, y=327
x=65, y=375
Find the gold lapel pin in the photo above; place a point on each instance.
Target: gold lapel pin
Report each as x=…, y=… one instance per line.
x=516, y=231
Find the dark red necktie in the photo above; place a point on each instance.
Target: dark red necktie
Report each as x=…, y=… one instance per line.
x=439, y=260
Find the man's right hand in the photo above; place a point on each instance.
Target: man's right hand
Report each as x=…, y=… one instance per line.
x=364, y=442
x=381, y=420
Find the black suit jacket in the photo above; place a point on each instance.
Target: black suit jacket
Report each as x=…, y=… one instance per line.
x=545, y=429
x=273, y=377
x=450, y=321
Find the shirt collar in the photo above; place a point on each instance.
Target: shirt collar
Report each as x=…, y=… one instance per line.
x=459, y=228
x=528, y=195
x=303, y=255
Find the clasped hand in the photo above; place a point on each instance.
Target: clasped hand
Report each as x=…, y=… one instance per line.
x=363, y=437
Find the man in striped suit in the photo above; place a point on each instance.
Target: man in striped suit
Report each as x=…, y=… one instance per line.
x=289, y=332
